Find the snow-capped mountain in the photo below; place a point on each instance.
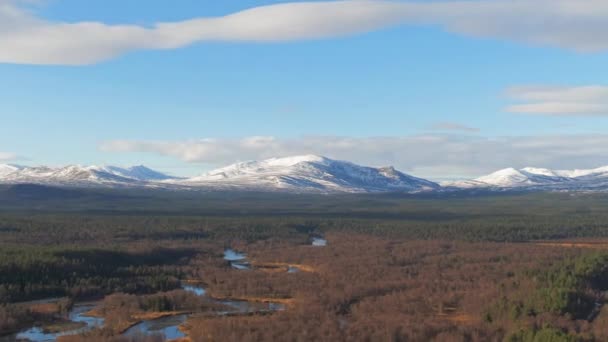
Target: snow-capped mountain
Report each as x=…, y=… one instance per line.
x=510, y=177
x=6, y=169
x=139, y=172
x=303, y=174
x=309, y=173
x=76, y=175
x=538, y=179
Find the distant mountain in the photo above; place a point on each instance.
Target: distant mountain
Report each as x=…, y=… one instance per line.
x=308, y=173
x=140, y=173
x=80, y=176
x=303, y=174
x=531, y=178
x=300, y=174
x=6, y=169
x=510, y=178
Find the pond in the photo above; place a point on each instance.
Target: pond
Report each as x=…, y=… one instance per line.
x=237, y=260
x=197, y=290
x=319, y=242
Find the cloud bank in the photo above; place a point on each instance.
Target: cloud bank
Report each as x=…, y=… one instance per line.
x=453, y=126
x=435, y=156
x=5, y=156
x=577, y=25
x=553, y=100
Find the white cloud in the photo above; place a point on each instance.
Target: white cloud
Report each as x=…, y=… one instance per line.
x=434, y=156
x=5, y=156
x=578, y=25
x=452, y=126
x=547, y=100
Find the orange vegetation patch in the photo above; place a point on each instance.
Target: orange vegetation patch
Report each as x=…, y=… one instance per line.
x=460, y=318
x=283, y=266
x=571, y=244
x=147, y=316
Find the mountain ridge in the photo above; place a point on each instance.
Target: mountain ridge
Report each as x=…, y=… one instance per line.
x=304, y=174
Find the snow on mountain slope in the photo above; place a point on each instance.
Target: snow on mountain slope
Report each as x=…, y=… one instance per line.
x=76, y=175
x=538, y=178
x=511, y=177
x=304, y=174
x=309, y=173
x=6, y=169
x=140, y=172
x=578, y=173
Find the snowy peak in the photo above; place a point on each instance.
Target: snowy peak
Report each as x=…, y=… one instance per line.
x=511, y=177
x=6, y=169
x=504, y=177
x=539, y=178
x=305, y=173
x=309, y=173
x=578, y=173
x=540, y=171
x=140, y=172
x=77, y=175
x=253, y=167
x=291, y=161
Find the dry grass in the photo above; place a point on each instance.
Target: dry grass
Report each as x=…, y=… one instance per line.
x=45, y=308
x=575, y=244
x=462, y=319
x=281, y=266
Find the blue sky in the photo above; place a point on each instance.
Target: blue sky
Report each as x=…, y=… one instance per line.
x=400, y=82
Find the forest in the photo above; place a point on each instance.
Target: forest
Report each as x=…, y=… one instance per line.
x=395, y=267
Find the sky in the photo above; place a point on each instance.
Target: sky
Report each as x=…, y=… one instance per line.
x=440, y=89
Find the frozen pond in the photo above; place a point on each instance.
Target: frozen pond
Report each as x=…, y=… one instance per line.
x=237, y=260
x=232, y=255
x=319, y=242
x=197, y=290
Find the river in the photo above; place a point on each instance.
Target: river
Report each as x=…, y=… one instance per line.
x=166, y=327
x=77, y=315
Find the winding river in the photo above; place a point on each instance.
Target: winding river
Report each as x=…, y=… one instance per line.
x=166, y=327
x=76, y=315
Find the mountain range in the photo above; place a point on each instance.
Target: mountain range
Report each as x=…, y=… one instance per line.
x=303, y=174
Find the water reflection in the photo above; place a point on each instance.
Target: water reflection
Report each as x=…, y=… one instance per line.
x=77, y=315
x=166, y=327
